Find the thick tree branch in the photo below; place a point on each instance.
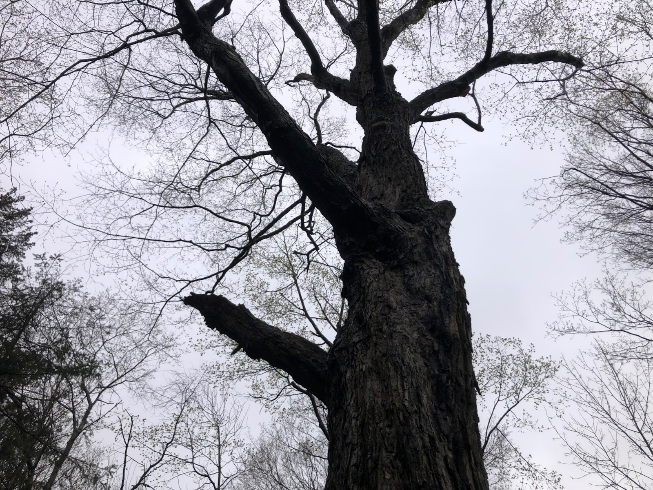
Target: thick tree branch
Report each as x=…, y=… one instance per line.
x=338, y=17
x=346, y=211
x=311, y=50
x=490, y=31
x=461, y=85
x=208, y=13
x=374, y=40
x=321, y=77
x=410, y=17
x=452, y=115
x=300, y=358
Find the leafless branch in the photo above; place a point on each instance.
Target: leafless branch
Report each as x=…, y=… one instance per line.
x=461, y=85
x=321, y=76
x=451, y=115
x=303, y=360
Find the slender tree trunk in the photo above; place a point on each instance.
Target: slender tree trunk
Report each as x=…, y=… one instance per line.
x=402, y=404
x=77, y=431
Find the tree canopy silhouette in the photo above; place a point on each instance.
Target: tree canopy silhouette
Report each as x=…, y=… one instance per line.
x=231, y=98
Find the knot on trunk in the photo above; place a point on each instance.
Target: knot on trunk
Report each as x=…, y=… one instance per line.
x=442, y=211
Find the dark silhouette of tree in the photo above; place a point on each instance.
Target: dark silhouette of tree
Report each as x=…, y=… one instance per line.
x=211, y=90
x=603, y=192
x=32, y=352
x=27, y=355
x=65, y=356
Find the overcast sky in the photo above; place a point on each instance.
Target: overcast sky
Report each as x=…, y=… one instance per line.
x=511, y=265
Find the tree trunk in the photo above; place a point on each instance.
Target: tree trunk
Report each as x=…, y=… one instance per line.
x=398, y=380
x=402, y=403
x=77, y=430
x=402, y=412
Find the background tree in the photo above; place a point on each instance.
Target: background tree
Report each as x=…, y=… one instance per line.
x=603, y=194
x=513, y=383
x=65, y=355
x=197, y=439
x=240, y=164
x=36, y=352
x=611, y=307
x=609, y=436
x=604, y=189
x=286, y=456
x=201, y=438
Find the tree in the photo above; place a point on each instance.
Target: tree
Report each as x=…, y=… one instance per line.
x=127, y=344
x=35, y=352
x=51, y=416
x=513, y=383
x=208, y=83
x=609, y=307
x=286, y=456
x=604, y=189
x=610, y=436
x=197, y=439
x=609, y=432
x=603, y=193
x=65, y=357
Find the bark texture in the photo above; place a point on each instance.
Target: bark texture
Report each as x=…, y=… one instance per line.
x=401, y=385
x=304, y=360
x=398, y=380
x=402, y=411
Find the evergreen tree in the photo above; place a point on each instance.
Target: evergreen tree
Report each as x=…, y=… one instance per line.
x=38, y=364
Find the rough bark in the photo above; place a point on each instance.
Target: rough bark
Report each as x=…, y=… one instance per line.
x=399, y=382
x=402, y=405
x=401, y=385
